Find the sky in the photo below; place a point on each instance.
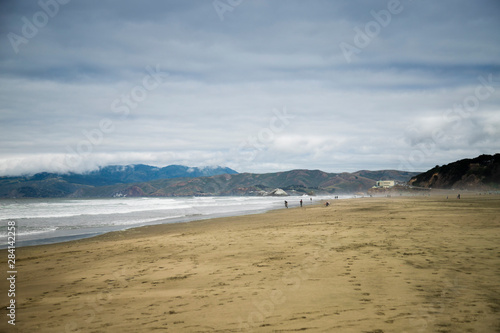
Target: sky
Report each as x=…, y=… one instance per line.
x=257, y=86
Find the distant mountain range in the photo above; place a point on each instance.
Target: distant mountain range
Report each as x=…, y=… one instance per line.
x=480, y=173
x=295, y=182
x=176, y=180
x=124, y=174
x=61, y=185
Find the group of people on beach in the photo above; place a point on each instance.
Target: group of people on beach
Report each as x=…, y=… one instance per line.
x=301, y=203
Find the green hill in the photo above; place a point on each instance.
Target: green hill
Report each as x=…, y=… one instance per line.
x=46, y=185
x=295, y=182
x=480, y=173
x=125, y=181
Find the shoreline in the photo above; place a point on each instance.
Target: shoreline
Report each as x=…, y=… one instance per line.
x=69, y=235
x=166, y=221
x=63, y=236
x=389, y=264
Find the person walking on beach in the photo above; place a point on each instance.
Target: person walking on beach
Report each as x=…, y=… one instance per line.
x=300, y=202
x=286, y=204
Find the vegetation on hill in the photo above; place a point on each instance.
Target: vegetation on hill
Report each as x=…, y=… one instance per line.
x=480, y=173
x=45, y=185
x=143, y=180
x=297, y=182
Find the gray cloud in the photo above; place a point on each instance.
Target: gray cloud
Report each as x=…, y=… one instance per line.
x=74, y=96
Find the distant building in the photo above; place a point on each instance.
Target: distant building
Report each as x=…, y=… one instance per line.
x=385, y=183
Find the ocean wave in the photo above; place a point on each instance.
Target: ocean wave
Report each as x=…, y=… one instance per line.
x=143, y=221
x=23, y=232
x=44, y=218
x=75, y=211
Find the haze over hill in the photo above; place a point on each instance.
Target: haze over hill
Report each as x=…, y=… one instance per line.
x=60, y=185
x=478, y=173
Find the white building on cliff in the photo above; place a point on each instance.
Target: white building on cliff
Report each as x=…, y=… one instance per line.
x=385, y=183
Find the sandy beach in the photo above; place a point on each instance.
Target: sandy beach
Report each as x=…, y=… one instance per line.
x=400, y=264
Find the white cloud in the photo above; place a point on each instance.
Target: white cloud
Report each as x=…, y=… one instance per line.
x=226, y=78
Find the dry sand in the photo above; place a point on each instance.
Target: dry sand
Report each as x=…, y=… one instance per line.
x=405, y=264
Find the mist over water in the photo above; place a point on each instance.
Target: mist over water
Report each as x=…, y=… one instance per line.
x=44, y=221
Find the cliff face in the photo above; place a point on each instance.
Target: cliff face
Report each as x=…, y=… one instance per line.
x=480, y=173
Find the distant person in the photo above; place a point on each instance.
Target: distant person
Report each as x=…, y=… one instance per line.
x=300, y=202
x=327, y=204
x=286, y=204
x=458, y=196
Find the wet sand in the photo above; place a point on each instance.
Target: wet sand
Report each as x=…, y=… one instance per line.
x=401, y=264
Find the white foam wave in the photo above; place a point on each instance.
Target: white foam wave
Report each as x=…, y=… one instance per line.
x=143, y=221
x=71, y=208
x=52, y=218
x=21, y=233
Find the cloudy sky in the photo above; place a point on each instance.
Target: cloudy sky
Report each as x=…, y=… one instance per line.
x=259, y=86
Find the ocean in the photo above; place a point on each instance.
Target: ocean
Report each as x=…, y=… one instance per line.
x=45, y=221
